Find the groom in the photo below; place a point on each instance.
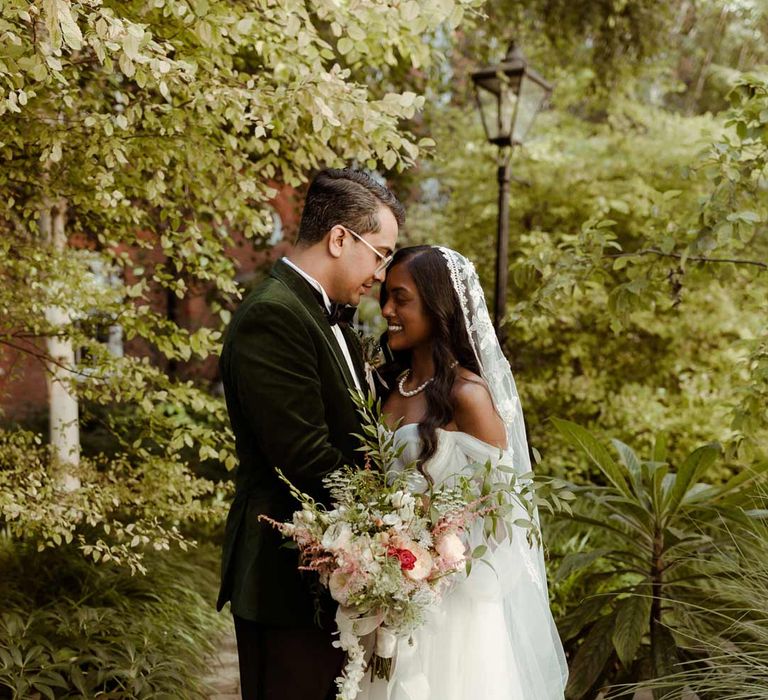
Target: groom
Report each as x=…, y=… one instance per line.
x=288, y=363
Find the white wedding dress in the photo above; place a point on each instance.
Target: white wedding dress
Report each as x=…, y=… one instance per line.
x=493, y=636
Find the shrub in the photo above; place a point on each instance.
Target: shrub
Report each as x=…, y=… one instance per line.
x=661, y=544
x=731, y=631
x=123, y=507
x=73, y=629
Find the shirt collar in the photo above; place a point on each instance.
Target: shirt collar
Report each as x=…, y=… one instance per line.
x=312, y=281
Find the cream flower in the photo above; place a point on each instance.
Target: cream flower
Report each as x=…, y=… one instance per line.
x=337, y=536
x=423, y=564
x=339, y=586
x=451, y=549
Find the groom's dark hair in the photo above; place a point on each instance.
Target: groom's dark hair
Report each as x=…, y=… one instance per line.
x=348, y=197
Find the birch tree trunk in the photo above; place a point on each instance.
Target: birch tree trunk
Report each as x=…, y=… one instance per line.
x=64, y=426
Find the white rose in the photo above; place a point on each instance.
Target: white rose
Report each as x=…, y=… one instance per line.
x=391, y=519
x=337, y=536
x=451, y=549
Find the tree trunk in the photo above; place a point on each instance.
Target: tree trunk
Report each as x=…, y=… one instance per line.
x=663, y=649
x=171, y=312
x=712, y=50
x=63, y=407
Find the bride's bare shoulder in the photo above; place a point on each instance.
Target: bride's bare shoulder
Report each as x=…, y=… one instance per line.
x=470, y=392
x=473, y=409
x=467, y=378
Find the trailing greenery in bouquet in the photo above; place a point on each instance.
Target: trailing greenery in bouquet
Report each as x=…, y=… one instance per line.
x=390, y=547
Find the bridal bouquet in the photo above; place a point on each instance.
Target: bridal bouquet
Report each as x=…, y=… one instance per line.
x=387, y=552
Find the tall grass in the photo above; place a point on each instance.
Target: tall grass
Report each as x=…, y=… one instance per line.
x=734, y=630
x=71, y=629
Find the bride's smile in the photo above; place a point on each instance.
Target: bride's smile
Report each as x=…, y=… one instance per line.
x=408, y=323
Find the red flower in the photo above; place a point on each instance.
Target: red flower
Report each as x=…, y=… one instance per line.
x=407, y=558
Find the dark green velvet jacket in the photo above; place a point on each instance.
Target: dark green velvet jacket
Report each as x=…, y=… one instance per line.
x=287, y=390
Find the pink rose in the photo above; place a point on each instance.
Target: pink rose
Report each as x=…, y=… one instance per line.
x=451, y=549
x=422, y=564
x=422, y=568
x=342, y=584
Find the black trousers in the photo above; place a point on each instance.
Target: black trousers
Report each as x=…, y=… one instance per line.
x=286, y=663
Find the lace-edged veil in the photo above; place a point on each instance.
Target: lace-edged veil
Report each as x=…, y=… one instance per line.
x=494, y=367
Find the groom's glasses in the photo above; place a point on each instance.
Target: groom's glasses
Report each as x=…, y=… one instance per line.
x=384, y=259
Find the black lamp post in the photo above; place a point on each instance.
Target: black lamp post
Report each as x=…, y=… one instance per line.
x=509, y=95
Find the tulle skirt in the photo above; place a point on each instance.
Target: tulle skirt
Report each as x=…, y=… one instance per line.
x=492, y=638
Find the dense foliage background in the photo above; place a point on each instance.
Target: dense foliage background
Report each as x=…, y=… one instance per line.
x=638, y=311
x=638, y=301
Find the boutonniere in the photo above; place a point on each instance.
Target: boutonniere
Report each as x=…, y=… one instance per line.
x=373, y=358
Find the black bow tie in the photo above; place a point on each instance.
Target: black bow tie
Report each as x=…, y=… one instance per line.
x=340, y=314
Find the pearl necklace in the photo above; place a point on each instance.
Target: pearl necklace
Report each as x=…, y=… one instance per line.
x=418, y=389
x=413, y=392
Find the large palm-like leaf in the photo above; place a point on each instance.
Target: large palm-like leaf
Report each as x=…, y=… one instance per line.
x=658, y=533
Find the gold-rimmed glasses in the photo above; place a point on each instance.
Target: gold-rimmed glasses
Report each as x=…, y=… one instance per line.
x=384, y=259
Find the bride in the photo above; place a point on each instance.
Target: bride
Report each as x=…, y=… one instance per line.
x=455, y=402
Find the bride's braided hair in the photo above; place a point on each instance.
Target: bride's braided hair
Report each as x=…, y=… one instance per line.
x=450, y=342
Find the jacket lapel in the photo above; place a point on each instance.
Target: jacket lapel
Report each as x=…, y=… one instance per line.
x=301, y=288
x=355, y=351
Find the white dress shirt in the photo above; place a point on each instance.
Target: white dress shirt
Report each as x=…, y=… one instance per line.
x=335, y=328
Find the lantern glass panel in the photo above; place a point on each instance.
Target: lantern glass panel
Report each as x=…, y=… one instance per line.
x=507, y=104
x=488, y=104
x=497, y=98
x=531, y=99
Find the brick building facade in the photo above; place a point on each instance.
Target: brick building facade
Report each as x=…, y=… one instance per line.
x=23, y=391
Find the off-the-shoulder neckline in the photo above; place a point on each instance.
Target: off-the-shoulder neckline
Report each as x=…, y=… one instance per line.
x=455, y=432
